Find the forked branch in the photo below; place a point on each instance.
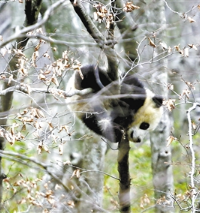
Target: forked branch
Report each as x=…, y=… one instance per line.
x=107, y=46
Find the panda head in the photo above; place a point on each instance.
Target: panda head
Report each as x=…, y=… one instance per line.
x=147, y=117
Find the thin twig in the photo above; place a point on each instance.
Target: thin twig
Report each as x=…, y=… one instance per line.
x=38, y=163
x=25, y=30
x=192, y=172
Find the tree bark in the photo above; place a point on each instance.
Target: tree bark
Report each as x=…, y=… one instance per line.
x=112, y=68
x=91, y=180
x=161, y=153
x=127, y=28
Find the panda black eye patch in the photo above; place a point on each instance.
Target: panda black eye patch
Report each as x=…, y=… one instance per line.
x=144, y=126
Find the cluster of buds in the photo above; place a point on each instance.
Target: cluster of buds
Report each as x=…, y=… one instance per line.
x=129, y=7
x=102, y=14
x=170, y=104
x=52, y=71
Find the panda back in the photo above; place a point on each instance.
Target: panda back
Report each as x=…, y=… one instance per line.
x=93, y=77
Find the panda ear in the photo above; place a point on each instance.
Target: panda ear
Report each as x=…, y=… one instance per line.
x=158, y=100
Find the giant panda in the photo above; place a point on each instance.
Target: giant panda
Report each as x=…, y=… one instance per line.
x=132, y=113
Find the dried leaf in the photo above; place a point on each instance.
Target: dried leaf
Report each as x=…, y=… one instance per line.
x=55, y=81
x=10, y=138
x=190, y=85
x=38, y=46
x=3, y=50
x=192, y=46
x=180, y=197
x=23, y=128
x=60, y=148
x=95, y=16
x=46, y=72
x=107, y=24
x=71, y=204
x=170, y=139
x=41, y=77
x=76, y=173
x=39, y=148
x=66, y=163
x=169, y=50
x=191, y=20
x=163, y=45
x=23, y=71
x=57, y=187
x=37, y=125
x=10, y=79
x=185, y=94
x=170, y=104
x=46, y=55
x=26, y=88
x=64, y=127
x=179, y=50
x=129, y=7
x=144, y=201
x=19, y=136
x=35, y=55
x=151, y=43
x=40, y=113
x=51, y=127
x=186, y=52
x=170, y=86
x=194, y=126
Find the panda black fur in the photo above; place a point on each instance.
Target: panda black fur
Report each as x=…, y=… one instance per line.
x=136, y=112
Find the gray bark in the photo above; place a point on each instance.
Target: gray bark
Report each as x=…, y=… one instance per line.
x=161, y=153
x=92, y=179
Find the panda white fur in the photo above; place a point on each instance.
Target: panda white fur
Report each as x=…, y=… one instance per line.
x=136, y=112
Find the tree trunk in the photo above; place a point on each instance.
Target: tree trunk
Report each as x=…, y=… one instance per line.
x=161, y=153
x=92, y=179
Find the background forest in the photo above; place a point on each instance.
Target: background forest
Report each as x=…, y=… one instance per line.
x=49, y=161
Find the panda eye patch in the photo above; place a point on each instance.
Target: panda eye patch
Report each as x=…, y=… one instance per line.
x=144, y=126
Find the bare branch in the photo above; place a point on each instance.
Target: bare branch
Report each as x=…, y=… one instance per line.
x=88, y=23
x=25, y=30
x=63, y=93
x=67, y=43
x=127, y=29
x=98, y=37
x=193, y=165
x=38, y=163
